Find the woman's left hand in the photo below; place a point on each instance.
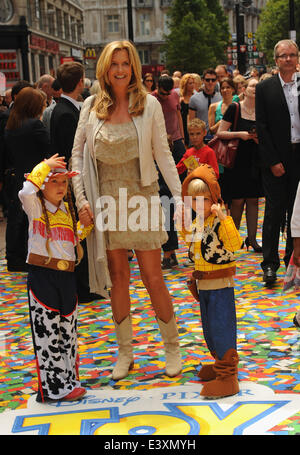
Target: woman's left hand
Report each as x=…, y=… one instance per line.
x=254, y=137
x=85, y=215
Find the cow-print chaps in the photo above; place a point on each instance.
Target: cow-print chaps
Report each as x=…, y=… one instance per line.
x=55, y=344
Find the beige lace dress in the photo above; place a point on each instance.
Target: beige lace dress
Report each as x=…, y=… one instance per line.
x=132, y=213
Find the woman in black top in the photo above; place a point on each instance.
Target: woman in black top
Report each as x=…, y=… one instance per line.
x=27, y=144
x=187, y=88
x=244, y=179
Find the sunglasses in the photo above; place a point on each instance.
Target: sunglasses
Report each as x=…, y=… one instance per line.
x=208, y=79
x=148, y=80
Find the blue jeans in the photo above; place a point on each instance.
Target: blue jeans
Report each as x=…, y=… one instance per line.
x=218, y=319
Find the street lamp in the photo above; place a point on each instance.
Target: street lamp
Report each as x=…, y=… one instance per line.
x=129, y=18
x=240, y=32
x=292, y=20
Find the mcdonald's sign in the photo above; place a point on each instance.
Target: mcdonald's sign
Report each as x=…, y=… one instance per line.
x=90, y=53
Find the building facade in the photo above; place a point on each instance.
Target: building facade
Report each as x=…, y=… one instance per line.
x=37, y=36
x=107, y=20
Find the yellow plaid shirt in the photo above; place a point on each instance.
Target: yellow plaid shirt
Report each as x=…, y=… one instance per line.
x=227, y=233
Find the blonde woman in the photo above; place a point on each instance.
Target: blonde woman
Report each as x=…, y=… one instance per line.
x=121, y=134
x=187, y=88
x=240, y=83
x=198, y=82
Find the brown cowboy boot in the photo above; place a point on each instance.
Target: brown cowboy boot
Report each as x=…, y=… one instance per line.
x=226, y=382
x=207, y=372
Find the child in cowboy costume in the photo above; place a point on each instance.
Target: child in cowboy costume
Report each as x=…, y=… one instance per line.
x=52, y=295
x=212, y=244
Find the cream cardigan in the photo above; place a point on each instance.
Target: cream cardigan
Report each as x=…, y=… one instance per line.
x=153, y=147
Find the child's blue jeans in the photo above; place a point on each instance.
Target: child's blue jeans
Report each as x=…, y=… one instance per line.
x=218, y=319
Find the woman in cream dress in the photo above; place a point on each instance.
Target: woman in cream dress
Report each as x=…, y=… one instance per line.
x=120, y=136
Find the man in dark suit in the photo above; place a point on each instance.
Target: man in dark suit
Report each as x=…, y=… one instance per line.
x=63, y=124
x=278, y=129
x=65, y=115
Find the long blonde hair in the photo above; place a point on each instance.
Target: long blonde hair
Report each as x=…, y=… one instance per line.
x=183, y=83
x=105, y=101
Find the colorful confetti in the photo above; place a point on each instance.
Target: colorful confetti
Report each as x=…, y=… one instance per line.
x=268, y=342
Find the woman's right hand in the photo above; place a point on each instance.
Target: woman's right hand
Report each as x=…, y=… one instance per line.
x=85, y=215
x=245, y=136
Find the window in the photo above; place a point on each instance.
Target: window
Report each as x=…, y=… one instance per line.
x=51, y=66
x=162, y=58
x=67, y=26
x=59, y=23
x=42, y=64
x=166, y=29
x=79, y=32
x=145, y=24
x=94, y=23
x=113, y=23
x=29, y=13
x=34, y=78
x=50, y=16
x=73, y=29
x=144, y=57
x=40, y=14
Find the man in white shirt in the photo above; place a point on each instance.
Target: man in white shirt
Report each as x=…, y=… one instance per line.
x=278, y=130
x=45, y=83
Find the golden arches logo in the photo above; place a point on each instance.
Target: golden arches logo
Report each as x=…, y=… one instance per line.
x=90, y=53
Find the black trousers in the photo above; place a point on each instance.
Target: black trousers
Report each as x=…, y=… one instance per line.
x=280, y=193
x=172, y=242
x=16, y=236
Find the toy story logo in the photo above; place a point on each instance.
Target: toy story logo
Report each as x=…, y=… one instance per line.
x=162, y=411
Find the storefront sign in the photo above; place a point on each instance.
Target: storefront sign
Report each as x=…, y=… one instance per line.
x=66, y=59
x=77, y=53
x=90, y=53
x=9, y=65
x=42, y=44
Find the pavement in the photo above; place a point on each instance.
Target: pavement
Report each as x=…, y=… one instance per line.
x=147, y=402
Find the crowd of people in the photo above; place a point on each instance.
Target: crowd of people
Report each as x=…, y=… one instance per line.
x=134, y=146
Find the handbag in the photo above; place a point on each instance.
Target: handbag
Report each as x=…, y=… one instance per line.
x=225, y=149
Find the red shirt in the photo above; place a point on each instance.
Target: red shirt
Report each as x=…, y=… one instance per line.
x=205, y=155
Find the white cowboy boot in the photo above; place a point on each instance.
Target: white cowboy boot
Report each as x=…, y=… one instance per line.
x=169, y=336
x=125, y=354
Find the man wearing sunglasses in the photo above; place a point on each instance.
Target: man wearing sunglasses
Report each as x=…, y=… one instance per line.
x=200, y=102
